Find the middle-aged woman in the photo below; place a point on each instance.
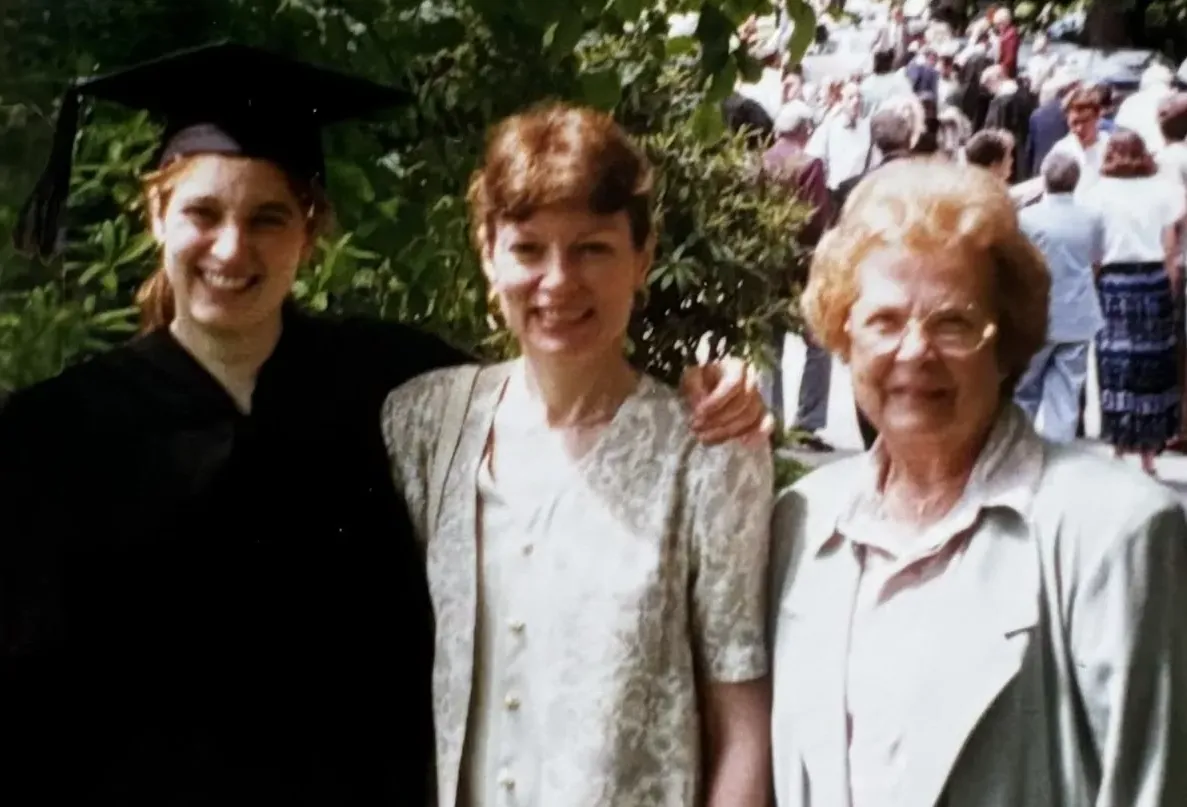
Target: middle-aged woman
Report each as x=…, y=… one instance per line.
x=966, y=615
x=209, y=591
x=599, y=584
x=1142, y=212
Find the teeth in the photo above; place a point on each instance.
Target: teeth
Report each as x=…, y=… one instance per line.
x=562, y=317
x=225, y=282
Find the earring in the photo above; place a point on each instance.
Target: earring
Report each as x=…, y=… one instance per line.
x=642, y=295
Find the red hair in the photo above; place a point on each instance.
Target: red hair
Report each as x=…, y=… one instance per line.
x=560, y=154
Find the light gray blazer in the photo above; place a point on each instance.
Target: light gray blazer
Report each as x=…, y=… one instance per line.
x=1076, y=694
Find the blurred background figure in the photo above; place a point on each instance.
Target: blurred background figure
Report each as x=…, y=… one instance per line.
x=1048, y=123
x=954, y=132
x=788, y=163
x=993, y=150
x=883, y=83
x=1142, y=214
x=1071, y=239
x=1139, y=112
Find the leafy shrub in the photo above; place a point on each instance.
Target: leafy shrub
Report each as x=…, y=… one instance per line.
x=402, y=249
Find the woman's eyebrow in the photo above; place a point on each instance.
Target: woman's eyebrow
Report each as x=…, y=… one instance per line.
x=276, y=207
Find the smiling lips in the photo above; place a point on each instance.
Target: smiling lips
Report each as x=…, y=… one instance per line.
x=562, y=317
x=918, y=392
x=226, y=282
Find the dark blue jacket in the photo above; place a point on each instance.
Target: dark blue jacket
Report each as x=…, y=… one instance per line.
x=1047, y=127
x=924, y=78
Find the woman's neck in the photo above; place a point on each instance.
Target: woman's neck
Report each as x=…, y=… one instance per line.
x=922, y=483
x=579, y=394
x=233, y=358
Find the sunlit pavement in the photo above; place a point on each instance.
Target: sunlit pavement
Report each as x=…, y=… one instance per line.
x=842, y=431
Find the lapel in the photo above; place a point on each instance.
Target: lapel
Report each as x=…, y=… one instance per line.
x=823, y=637
x=812, y=631
x=981, y=650
x=453, y=564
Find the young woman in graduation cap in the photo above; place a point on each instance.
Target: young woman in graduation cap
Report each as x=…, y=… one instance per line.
x=209, y=590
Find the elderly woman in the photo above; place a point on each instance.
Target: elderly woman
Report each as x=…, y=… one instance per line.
x=966, y=615
x=599, y=582
x=1137, y=349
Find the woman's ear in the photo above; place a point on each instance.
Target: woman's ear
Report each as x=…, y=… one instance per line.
x=157, y=204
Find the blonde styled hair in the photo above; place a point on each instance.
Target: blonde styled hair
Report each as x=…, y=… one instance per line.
x=929, y=206
x=155, y=295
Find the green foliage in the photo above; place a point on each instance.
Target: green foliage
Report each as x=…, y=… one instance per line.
x=401, y=249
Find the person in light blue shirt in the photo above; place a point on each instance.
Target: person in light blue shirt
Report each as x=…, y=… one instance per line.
x=1071, y=239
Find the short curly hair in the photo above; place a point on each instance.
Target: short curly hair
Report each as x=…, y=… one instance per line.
x=930, y=205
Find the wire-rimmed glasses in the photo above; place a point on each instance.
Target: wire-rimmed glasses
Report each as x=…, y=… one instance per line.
x=956, y=331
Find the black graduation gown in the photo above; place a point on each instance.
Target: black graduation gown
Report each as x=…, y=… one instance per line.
x=202, y=607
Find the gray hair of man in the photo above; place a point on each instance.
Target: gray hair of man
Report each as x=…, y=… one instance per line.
x=1060, y=172
x=795, y=120
x=891, y=130
x=911, y=108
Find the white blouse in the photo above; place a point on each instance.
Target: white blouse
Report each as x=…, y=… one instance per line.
x=1135, y=212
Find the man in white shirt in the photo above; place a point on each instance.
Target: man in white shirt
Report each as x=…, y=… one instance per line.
x=843, y=141
x=883, y=83
x=1084, y=141
x=894, y=38
x=1139, y=112
x=1041, y=63
x=768, y=90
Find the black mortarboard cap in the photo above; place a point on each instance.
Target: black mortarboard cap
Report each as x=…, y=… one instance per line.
x=224, y=98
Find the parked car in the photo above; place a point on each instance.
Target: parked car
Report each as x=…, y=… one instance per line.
x=1120, y=69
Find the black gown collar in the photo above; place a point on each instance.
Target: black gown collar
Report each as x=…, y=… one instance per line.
x=177, y=375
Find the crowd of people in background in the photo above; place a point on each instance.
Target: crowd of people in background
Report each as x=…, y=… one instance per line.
x=1100, y=188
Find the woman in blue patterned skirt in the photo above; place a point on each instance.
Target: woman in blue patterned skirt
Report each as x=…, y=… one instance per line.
x=1142, y=213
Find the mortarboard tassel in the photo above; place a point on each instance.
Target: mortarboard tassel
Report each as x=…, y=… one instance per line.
x=37, y=226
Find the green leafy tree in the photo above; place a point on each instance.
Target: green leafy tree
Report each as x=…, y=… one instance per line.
x=402, y=248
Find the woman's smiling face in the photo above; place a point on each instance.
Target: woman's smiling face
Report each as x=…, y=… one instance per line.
x=233, y=234
x=566, y=279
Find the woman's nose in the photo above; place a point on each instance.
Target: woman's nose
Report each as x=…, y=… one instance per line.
x=914, y=345
x=229, y=244
x=556, y=269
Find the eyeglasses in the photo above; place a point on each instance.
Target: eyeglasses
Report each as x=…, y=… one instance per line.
x=953, y=332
